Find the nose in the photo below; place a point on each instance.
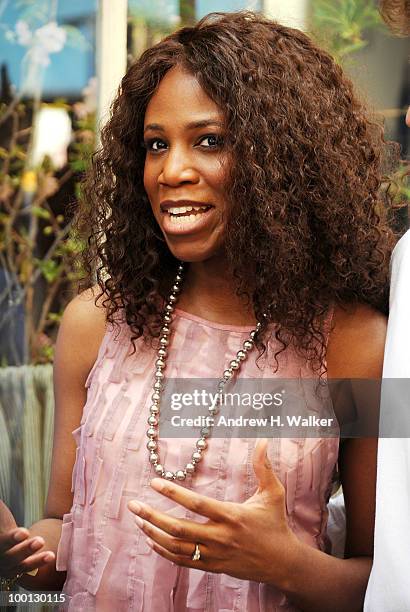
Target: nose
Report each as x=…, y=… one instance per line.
x=177, y=168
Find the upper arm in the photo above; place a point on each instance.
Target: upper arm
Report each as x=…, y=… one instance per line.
x=81, y=331
x=355, y=351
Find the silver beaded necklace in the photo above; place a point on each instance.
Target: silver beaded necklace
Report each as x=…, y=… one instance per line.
x=160, y=363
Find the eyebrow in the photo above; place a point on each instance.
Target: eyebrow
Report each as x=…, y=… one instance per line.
x=189, y=126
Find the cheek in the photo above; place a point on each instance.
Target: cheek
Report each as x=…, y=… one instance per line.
x=217, y=176
x=147, y=178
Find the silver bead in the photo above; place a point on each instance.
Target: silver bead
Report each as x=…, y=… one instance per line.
x=169, y=308
x=196, y=456
x=252, y=335
x=190, y=468
x=241, y=355
x=152, y=445
x=158, y=469
x=155, y=397
x=234, y=365
x=205, y=432
x=165, y=330
x=152, y=433
x=153, y=457
x=201, y=444
x=159, y=374
x=180, y=475
x=154, y=409
x=167, y=318
x=247, y=345
x=213, y=410
x=163, y=341
x=227, y=374
x=158, y=385
x=162, y=352
x=169, y=475
x=173, y=298
x=160, y=363
x=175, y=288
x=152, y=420
x=178, y=278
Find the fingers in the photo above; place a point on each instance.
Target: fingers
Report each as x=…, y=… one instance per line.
x=29, y=564
x=19, y=558
x=185, y=561
x=173, y=545
x=200, y=504
x=263, y=469
x=178, y=528
x=10, y=539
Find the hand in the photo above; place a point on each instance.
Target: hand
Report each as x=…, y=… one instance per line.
x=17, y=547
x=250, y=541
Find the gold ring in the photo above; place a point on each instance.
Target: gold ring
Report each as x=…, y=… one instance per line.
x=196, y=555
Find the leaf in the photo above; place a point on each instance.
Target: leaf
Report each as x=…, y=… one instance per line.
x=50, y=269
x=55, y=317
x=41, y=213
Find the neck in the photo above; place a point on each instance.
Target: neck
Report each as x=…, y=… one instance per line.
x=208, y=291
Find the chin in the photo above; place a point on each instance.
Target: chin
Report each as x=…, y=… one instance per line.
x=193, y=253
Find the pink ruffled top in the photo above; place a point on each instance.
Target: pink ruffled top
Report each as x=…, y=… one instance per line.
x=109, y=565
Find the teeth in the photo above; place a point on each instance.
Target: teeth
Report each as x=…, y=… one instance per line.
x=182, y=220
x=184, y=209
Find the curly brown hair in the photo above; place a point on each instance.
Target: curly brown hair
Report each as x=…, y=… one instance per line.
x=396, y=13
x=307, y=228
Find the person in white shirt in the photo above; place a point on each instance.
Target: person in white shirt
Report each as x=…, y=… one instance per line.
x=389, y=584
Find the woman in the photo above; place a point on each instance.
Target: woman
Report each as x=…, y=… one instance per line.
x=237, y=147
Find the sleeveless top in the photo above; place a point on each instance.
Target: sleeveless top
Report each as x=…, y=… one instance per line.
x=109, y=565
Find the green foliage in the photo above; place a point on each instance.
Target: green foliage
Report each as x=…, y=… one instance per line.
x=41, y=213
x=341, y=25
x=26, y=214
x=50, y=269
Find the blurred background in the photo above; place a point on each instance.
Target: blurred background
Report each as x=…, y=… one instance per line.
x=61, y=63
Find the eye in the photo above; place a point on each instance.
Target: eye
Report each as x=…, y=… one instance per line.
x=154, y=144
x=214, y=140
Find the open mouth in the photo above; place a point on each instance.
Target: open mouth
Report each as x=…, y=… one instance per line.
x=186, y=219
x=186, y=213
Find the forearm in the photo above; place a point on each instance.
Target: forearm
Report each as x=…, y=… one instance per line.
x=47, y=577
x=318, y=582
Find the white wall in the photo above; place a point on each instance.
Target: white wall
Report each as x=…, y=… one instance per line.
x=289, y=12
x=111, y=51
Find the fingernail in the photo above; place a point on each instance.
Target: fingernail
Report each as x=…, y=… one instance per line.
x=19, y=536
x=134, y=506
x=36, y=544
x=157, y=484
x=139, y=521
x=49, y=557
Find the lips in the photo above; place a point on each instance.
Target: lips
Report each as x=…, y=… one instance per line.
x=185, y=216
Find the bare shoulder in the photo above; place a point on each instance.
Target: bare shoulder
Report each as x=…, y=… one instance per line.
x=356, y=342
x=82, y=327
x=79, y=338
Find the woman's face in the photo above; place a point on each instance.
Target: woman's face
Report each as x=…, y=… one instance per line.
x=185, y=166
